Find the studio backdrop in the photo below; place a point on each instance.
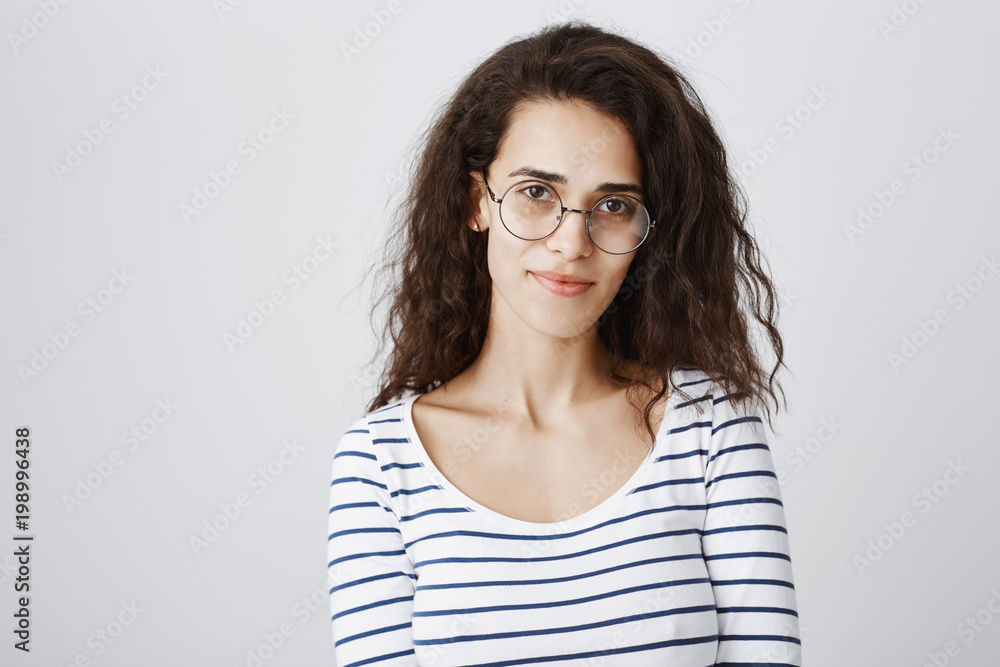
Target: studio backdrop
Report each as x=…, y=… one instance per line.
x=192, y=194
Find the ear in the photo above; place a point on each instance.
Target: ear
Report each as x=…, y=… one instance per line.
x=480, y=199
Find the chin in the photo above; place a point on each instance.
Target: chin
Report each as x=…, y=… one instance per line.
x=567, y=322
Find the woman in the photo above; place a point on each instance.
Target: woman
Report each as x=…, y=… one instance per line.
x=565, y=462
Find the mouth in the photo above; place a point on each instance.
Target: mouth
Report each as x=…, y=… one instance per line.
x=562, y=287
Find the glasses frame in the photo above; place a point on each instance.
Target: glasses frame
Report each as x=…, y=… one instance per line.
x=564, y=209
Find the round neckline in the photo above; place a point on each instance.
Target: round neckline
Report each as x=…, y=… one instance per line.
x=584, y=520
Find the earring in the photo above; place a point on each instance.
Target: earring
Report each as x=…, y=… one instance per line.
x=477, y=226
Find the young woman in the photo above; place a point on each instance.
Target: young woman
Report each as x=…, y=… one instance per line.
x=565, y=462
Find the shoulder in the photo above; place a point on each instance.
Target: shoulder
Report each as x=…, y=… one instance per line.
x=718, y=405
x=363, y=437
x=710, y=390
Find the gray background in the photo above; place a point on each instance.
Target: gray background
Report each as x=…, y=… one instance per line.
x=849, y=303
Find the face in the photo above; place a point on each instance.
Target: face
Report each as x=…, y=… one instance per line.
x=577, y=151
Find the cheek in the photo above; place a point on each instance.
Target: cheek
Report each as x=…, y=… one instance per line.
x=615, y=274
x=503, y=260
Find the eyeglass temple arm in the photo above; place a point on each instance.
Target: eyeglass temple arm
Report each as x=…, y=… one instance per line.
x=492, y=196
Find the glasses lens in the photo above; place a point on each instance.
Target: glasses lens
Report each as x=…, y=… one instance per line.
x=619, y=224
x=530, y=210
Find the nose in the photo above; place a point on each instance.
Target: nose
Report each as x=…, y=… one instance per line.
x=570, y=239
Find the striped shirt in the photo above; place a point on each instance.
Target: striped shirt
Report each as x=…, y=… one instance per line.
x=687, y=564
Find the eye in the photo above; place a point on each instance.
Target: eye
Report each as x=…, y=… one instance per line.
x=536, y=191
x=617, y=206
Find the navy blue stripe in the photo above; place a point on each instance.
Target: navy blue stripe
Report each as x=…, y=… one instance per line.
x=593, y=654
x=695, y=400
x=372, y=605
x=668, y=482
x=745, y=501
x=576, y=554
x=355, y=531
x=736, y=448
x=508, y=536
x=554, y=580
x=369, y=633
x=401, y=466
x=741, y=582
x=344, y=480
x=730, y=529
x=350, y=452
x=750, y=554
x=769, y=610
x=374, y=577
x=758, y=638
x=688, y=427
x=365, y=554
x=568, y=602
x=410, y=492
x=368, y=503
x=733, y=422
x=438, y=510
x=750, y=473
x=568, y=628
x=671, y=457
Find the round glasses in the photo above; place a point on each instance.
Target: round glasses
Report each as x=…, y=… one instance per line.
x=532, y=210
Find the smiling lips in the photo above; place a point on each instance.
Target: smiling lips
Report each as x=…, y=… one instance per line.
x=561, y=284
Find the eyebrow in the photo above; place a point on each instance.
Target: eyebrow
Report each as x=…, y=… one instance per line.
x=606, y=188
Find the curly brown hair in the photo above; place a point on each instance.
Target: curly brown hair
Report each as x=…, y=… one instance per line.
x=680, y=302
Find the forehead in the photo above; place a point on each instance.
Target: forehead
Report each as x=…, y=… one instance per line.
x=570, y=138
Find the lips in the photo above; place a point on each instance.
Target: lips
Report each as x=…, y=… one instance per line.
x=572, y=287
x=560, y=277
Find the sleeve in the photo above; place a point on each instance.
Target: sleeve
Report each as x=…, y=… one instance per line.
x=370, y=573
x=745, y=543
